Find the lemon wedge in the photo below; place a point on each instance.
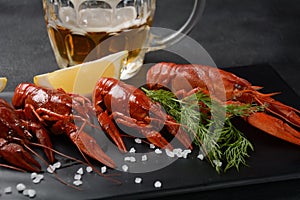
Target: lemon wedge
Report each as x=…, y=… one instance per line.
x=81, y=79
x=3, y=81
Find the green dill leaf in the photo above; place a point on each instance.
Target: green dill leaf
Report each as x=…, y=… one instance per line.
x=208, y=121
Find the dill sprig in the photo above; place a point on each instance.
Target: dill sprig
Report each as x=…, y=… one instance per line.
x=209, y=123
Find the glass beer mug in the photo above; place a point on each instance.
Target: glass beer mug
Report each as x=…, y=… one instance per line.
x=84, y=30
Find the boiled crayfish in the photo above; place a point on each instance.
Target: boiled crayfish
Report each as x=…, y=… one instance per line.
x=54, y=109
x=186, y=79
x=116, y=101
x=15, y=134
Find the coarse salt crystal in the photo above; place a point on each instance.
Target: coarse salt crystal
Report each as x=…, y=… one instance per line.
x=38, y=178
x=138, y=180
x=132, y=159
x=157, y=151
x=138, y=140
x=33, y=175
x=20, y=187
x=178, y=152
x=132, y=150
x=80, y=171
x=8, y=190
x=89, y=169
x=200, y=156
x=127, y=158
x=157, y=184
x=152, y=146
x=186, y=152
x=77, y=182
x=217, y=163
x=25, y=192
x=57, y=165
x=77, y=176
x=50, y=169
x=103, y=169
x=29, y=192
x=125, y=168
x=170, y=153
x=144, y=157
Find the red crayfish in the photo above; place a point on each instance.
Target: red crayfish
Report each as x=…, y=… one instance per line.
x=129, y=106
x=224, y=86
x=54, y=109
x=16, y=135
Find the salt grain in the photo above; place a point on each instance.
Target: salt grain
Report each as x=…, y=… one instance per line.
x=200, y=156
x=25, y=192
x=138, y=180
x=132, y=150
x=170, y=153
x=57, y=165
x=33, y=175
x=138, y=140
x=29, y=192
x=130, y=159
x=77, y=182
x=186, y=152
x=217, y=163
x=127, y=158
x=152, y=146
x=125, y=168
x=144, y=157
x=50, y=169
x=80, y=171
x=103, y=169
x=178, y=152
x=38, y=178
x=89, y=169
x=157, y=151
x=157, y=184
x=20, y=187
x=8, y=190
x=77, y=176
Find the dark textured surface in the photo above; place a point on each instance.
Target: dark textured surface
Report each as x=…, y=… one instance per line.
x=234, y=32
x=187, y=178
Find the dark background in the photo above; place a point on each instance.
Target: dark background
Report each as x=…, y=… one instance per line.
x=234, y=33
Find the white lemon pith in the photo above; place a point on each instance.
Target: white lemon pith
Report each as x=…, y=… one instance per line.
x=3, y=81
x=82, y=78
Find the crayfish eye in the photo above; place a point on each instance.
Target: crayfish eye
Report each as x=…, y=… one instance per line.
x=237, y=86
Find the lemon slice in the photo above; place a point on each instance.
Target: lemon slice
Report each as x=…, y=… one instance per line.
x=81, y=79
x=3, y=81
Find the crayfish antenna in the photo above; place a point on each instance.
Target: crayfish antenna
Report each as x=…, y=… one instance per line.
x=87, y=163
x=12, y=167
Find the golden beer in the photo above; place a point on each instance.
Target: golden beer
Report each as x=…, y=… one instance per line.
x=72, y=48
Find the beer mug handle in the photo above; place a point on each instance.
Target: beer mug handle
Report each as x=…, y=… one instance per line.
x=158, y=42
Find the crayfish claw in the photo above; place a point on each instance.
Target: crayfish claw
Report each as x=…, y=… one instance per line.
x=274, y=126
x=16, y=155
x=88, y=145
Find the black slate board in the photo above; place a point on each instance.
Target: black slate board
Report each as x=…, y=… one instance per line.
x=273, y=160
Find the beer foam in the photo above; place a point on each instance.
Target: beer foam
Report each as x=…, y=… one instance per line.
x=100, y=19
